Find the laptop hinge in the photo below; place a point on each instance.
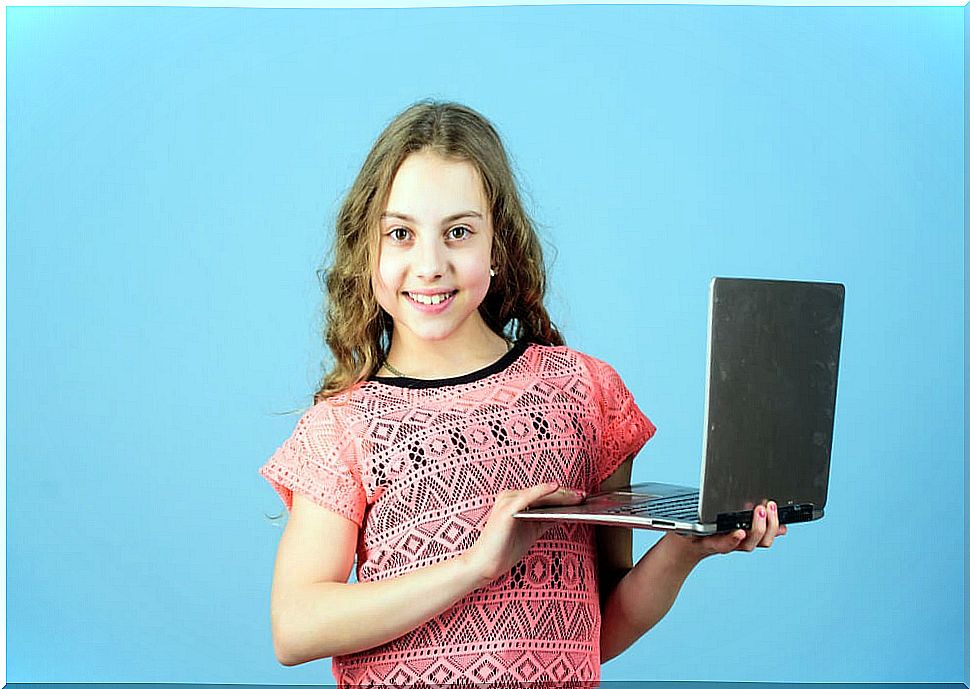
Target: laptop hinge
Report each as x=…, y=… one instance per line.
x=787, y=514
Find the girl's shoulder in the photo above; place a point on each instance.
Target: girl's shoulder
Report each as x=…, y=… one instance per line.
x=569, y=358
x=338, y=409
x=596, y=374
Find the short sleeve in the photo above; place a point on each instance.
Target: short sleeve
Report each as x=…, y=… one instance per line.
x=319, y=460
x=625, y=428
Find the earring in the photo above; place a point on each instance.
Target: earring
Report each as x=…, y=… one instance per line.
x=491, y=271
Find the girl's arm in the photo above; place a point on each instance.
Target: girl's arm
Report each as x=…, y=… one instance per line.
x=636, y=599
x=614, y=544
x=316, y=614
x=643, y=596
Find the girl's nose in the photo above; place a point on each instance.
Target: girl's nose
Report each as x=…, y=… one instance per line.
x=429, y=260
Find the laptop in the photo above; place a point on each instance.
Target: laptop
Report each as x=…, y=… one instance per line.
x=772, y=367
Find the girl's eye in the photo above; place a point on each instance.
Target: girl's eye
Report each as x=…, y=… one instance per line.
x=458, y=232
x=398, y=233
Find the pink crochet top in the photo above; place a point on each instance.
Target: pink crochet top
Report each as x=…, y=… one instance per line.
x=417, y=465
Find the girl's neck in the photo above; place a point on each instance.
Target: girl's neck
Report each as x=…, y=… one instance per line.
x=430, y=359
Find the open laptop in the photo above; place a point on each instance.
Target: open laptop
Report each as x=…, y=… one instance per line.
x=772, y=367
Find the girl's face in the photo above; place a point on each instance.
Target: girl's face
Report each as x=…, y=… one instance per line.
x=435, y=251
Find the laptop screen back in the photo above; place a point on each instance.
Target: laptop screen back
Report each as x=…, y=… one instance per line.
x=773, y=369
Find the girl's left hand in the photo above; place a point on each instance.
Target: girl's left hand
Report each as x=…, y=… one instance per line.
x=764, y=530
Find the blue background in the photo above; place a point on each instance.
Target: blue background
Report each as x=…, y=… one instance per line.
x=172, y=175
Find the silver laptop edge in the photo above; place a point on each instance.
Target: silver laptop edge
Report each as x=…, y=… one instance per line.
x=707, y=395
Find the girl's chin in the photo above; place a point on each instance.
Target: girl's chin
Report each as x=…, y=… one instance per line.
x=438, y=333
x=432, y=337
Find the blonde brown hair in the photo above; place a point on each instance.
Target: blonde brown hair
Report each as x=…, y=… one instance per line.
x=358, y=331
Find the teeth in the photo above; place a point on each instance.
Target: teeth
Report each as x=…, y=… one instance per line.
x=431, y=300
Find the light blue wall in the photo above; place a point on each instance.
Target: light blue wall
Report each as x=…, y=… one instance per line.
x=171, y=177
x=966, y=333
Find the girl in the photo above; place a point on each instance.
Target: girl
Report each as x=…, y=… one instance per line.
x=453, y=403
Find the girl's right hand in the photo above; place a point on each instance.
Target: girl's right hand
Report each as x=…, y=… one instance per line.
x=505, y=539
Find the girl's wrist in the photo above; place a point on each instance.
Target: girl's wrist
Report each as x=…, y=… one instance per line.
x=470, y=571
x=685, y=551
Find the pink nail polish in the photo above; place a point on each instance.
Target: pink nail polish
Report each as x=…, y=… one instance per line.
x=771, y=507
x=761, y=511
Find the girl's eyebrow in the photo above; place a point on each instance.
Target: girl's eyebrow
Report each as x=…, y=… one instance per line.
x=456, y=216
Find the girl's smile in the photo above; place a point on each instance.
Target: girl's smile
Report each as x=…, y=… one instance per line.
x=431, y=302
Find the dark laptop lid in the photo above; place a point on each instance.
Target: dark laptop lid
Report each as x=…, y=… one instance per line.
x=772, y=373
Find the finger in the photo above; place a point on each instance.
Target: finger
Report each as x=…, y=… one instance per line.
x=782, y=530
x=527, y=497
x=771, y=526
x=536, y=529
x=512, y=501
x=562, y=496
x=518, y=500
x=724, y=543
x=758, y=525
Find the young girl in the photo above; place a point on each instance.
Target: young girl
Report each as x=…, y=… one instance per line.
x=453, y=403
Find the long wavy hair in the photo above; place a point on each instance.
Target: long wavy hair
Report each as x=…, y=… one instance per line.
x=358, y=331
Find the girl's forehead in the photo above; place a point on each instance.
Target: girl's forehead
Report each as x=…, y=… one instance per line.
x=430, y=186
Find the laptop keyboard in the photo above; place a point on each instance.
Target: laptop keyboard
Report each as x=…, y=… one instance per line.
x=682, y=507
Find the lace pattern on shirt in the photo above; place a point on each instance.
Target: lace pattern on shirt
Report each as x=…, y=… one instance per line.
x=419, y=468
